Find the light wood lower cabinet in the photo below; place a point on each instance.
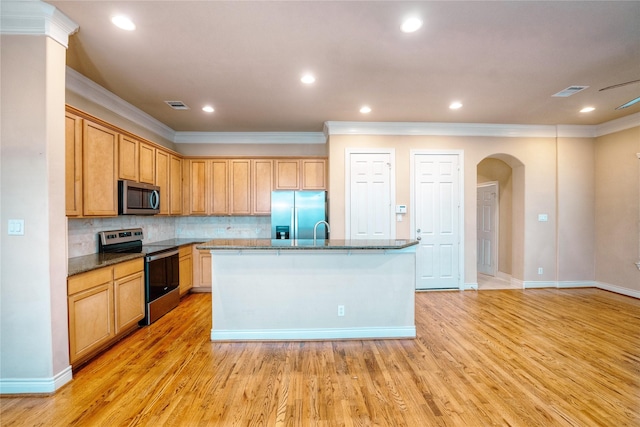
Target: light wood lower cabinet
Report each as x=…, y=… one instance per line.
x=186, y=269
x=103, y=304
x=201, y=270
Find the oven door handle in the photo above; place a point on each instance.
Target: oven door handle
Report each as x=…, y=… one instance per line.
x=161, y=255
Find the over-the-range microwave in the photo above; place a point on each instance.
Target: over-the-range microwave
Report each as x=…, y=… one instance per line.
x=138, y=198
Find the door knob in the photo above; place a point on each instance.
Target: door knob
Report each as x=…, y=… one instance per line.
x=418, y=238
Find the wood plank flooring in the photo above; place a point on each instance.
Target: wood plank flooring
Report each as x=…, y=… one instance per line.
x=543, y=357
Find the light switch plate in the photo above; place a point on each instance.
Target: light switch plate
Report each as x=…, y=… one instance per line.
x=16, y=227
x=543, y=217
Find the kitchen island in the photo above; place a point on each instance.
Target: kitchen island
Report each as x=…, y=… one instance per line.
x=312, y=290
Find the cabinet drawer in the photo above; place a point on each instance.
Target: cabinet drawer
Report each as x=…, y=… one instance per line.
x=82, y=282
x=184, y=251
x=129, y=267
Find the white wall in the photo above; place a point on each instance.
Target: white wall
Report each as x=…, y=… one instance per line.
x=33, y=312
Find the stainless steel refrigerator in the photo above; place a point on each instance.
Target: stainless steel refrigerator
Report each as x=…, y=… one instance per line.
x=295, y=213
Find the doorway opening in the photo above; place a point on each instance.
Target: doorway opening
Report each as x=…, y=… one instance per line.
x=500, y=222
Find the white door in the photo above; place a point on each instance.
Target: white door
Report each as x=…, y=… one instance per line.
x=369, y=196
x=437, y=216
x=487, y=228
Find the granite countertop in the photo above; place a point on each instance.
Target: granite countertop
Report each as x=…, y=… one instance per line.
x=82, y=264
x=304, y=244
x=178, y=242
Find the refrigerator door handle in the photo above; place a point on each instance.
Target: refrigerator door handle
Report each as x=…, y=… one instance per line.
x=292, y=224
x=295, y=223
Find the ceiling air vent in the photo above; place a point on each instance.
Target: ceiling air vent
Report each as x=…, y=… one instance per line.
x=570, y=91
x=177, y=105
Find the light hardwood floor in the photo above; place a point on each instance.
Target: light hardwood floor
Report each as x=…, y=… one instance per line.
x=501, y=358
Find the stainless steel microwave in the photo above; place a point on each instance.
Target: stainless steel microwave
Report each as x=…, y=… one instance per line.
x=138, y=198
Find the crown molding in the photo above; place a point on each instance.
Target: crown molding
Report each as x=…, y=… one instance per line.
x=618, y=125
x=88, y=89
x=439, y=129
x=250, y=138
x=36, y=18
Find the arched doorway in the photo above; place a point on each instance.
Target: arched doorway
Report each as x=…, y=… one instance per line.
x=500, y=222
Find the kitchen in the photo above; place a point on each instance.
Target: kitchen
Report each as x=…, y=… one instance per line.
x=570, y=198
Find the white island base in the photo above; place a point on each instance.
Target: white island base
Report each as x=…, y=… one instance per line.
x=312, y=294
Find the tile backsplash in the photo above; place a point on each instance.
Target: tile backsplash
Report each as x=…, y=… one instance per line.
x=83, y=232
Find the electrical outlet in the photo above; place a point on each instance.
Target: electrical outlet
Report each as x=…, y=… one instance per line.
x=340, y=310
x=540, y=270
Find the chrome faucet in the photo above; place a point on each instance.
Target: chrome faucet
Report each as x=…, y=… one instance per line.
x=315, y=228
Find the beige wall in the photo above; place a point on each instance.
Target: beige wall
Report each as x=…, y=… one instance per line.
x=617, y=208
x=534, y=169
x=33, y=314
x=576, y=209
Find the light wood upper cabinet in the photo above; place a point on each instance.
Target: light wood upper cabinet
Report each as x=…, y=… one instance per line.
x=162, y=180
x=175, y=184
x=99, y=170
x=314, y=174
x=206, y=186
x=287, y=174
x=240, y=186
x=262, y=185
x=147, y=162
x=219, y=187
x=73, y=165
x=128, y=158
x=300, y=174
x=197, y=190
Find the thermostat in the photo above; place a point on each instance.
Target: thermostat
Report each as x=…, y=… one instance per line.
x=401, y=209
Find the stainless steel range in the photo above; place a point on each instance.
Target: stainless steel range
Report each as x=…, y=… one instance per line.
x=161, y=269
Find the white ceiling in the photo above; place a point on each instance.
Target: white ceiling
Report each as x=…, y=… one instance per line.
x=502, y=60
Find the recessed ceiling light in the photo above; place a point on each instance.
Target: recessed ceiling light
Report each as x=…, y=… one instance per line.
x=208, y=109
x=365, y=109
x=587, y=109
x=411, y=25
x=455, y=105
x=308, y=79
x=123, y=22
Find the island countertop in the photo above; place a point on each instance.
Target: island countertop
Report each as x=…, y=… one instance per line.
x=304, y=244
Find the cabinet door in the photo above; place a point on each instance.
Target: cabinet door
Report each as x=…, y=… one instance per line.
x=240, y=186
x=262, y=184
x=201, y=270
x=287, y=174
x=99, y=170
x=219, y=188
x=147, y=162
x=129, y=301
x=175, y=182
x=314, y=174
x=128, y=158
x=186, y=269
x=197, y=196
x=73, y=165
x=162, y=180
x=90, y=320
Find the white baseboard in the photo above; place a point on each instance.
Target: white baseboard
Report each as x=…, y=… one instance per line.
x=312, y=334
x=470, y=286
x=539, y=284
x=618, y=289
x=577, y=284
x=35, y=385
